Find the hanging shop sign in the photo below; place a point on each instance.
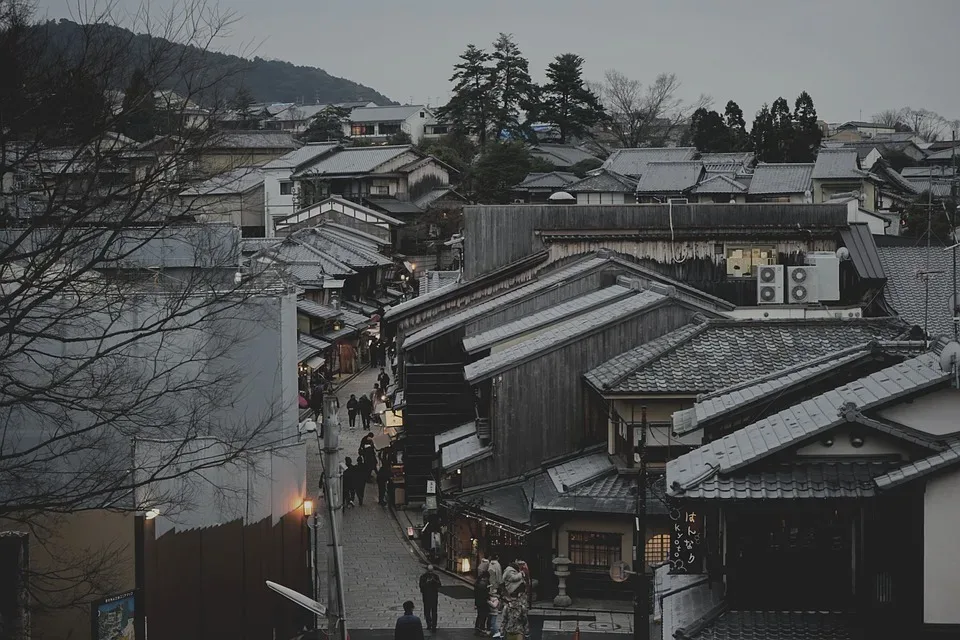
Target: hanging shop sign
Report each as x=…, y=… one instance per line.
x=685, y=541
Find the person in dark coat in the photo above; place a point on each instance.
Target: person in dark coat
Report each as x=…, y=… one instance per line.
x=365, y=406
x=430, y=590
x=408, y=626
x=358, y=480
x=348, y=482
x=384, y=380
x=367, y=453
x=352, y=408
x=481, y=600
x=383, y=479
x=316, y=402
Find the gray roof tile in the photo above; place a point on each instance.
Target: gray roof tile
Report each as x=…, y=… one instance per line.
x=385, y=114
x=720, y=353
x=314, y=342
x=560, y=155
x=433, y=280
x=776, y=179
x=236, y=181
x=559, y=335
x=720, y=184
x=306, y=153
x=863, y=251
x=633, y=162
x=670, y=177
x=305, y=351
x=907, y=286
x=603, y=182
x=736, y=158
x=802, y=421
x=920, y=468
x=837, y=164
x=552, y=180
x=779, y=625
x=544, y=318
x=353, y=160
x=319, y=311
x=253, y=140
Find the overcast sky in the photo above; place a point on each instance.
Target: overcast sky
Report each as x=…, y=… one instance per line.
x=855, y=57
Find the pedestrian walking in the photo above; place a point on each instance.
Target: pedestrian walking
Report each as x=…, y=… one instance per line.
x=367, y=454
x=481, y=600
x=408, y=626
x=364, y=406
x=496, y=572
x=384, y=380
x=352, y=408
x=430, y=590
x=347, y=482
x=513, y=619
x=316, y=402
x=383, y=478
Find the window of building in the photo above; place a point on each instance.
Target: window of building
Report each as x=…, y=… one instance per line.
x=593, y=549
x=381, y=191
x=389, y=128
x=286, y=188
x=440, y=129
x=363, y=129
x=657, y=549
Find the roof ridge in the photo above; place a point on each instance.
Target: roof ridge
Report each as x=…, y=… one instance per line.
x=693, y=329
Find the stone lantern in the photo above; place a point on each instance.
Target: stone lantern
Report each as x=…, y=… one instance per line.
x=561, y=567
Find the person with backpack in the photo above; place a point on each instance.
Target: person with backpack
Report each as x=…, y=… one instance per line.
x=430, y=590
x=352, y=408
x=365, y=407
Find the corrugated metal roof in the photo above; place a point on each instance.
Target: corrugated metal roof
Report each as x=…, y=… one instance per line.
x=232, y=182
x=837, y=164
x=720, y=353
x=777, y=625
x=777, y=179
x=720, y=184
x=863, y=251
x=353, y=160
x=920, y=468
x=297, y=157
x=320, y=311
x=386, y=114
x=632, y=162
x=670, y=177
x=907, y=287
x=544, y=318
x=803, y=421
x=515, y=294
x=559, y=335
x=603, y=182
x=552, y=180
x=723, y=401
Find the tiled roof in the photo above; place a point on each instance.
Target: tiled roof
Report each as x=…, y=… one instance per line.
x=515, y=294
x=433, y=280
x=939, y=187
x=560, y=155
x=907, y=286
x=353, y=160
x=333, y=336
x=236, y=181
x=803, y=421
x=670, y=177
x=552, y=180
x=777, y=625
x=920, y=468
x=925, y=172
x=460, y=444
x=944, y=155
x=720, y=184
x=560, y=335
x=337, y=203
x=339, y=247
x=609, y=493
x=719, y=353
x=794, y=481
x=305, y=351
x=394, y=206
x=633, y=162
x=863, y=251
x=532, y=322
x=573, y=473
x=320, y=311
x=313, y=341
x=837, y=163
x=385, y=114
x=723, y=401
x=603, y=182
x=297, y=157
x=736, y=158
x=434, y=195
x=254, y=140
x=775, y=179
x=354, y=319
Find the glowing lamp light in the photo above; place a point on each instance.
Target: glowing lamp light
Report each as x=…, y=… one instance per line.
x=151, y=514
x=464, y=565
x=410, y=533
x=308, y=508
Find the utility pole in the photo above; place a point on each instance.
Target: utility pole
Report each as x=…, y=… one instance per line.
x=336, y=616
x=641, y=598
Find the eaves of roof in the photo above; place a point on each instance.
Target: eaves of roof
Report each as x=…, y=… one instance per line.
x=920, y=468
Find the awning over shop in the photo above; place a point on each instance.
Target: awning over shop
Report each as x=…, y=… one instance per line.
x=339, y=334
x=315, y=362
x=315, y=342
x=305, y=351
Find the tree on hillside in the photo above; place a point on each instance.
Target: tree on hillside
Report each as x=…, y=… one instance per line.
x=639, y=117
x=565, y=101
x=471, y=108
x=102, y=351
x=457, y=150
x=733, y=117
x=807, y=133
x=242, y=105
x=327, y=125
x=139, y=108
x=709, y=132
x=513, y=91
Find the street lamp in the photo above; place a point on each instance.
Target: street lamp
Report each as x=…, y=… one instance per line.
x=308, y=508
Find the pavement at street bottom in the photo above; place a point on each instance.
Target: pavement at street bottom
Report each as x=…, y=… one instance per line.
x=380, y=569
x=467, y=634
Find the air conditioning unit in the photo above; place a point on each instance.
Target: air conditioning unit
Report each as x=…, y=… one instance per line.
x=770, y=284
x=802, y=285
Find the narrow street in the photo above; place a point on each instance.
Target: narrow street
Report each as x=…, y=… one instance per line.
x=381, y=571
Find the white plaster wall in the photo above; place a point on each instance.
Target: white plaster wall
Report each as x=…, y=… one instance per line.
x=275, y=204
x=941, y=550
x=605, y=198
x=875, y=444
x=937, y=413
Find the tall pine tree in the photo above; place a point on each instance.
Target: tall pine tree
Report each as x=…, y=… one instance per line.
x=565, y=101
x=782, y=127
x=733, y=116
x=763, y=136
x=138, y=116
x=513, y=90
x=709, y=132
x=807, y=133
x=471, y=108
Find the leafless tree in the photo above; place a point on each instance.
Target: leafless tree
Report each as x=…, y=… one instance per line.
x=122, y=321
x=889, y=117
x=926, y=124
x=645, y=116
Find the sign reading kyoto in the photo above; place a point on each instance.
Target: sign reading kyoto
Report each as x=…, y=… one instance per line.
x=685, y=541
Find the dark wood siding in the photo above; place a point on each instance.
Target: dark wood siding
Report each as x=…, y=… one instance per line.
x=539, y=409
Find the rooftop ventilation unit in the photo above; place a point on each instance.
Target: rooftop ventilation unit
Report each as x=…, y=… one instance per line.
x=770, y=284
x=802, y=285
